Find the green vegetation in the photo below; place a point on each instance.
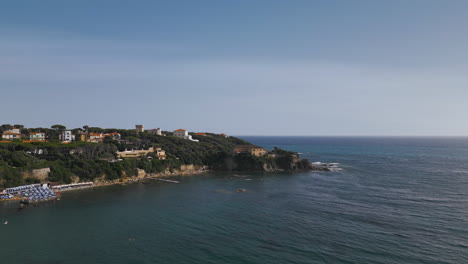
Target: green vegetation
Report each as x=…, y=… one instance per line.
x=91, y=161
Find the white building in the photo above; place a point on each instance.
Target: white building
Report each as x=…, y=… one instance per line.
x=182, y=133
x=37, y=136
x=12, y=134
x=156, y=131
x=67, y=136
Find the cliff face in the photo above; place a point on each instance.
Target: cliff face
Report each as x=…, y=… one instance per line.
x=40, y=174
x=286, y=161
x=142, y=174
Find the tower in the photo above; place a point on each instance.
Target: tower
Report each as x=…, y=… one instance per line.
x=139, y=129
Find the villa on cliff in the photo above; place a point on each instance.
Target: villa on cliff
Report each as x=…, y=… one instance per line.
x=251, y=149
x=182, y=133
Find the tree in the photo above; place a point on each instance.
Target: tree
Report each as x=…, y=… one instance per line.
x=109, y=140
x=58, y=127
x=18, y=126
x=6, y=127
x=95, y=129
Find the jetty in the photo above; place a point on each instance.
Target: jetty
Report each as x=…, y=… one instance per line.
x=73, y=186
x=164, y=180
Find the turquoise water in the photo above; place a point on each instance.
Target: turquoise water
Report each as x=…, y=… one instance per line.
x=397, y=200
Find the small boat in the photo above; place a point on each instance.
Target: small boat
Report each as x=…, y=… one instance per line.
x=5, y=223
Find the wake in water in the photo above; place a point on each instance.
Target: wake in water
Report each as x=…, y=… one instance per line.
x=331, y=166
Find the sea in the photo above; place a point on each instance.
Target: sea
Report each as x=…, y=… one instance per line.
x=395, y=200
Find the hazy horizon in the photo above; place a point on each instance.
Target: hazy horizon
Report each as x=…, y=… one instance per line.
x=324, y=68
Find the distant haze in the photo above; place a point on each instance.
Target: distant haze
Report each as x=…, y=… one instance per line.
x=238, y=67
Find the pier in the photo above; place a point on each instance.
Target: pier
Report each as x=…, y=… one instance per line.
x=164, y=180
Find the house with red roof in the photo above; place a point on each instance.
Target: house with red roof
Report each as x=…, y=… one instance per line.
x=12, y=134
x=182, y=133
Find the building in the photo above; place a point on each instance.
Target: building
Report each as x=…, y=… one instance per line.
x=67, y=136
x=140, y=128
x=182, y=133
x=251, y=149
x=37, y=136
x=160, y=154
x=156, y=131
x=114, y=135
x=12, y=134
x=83, y=136
x=200, y=134
x=95, y=137
x=99, y=137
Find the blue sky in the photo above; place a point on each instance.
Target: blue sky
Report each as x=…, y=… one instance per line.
x=238, y=67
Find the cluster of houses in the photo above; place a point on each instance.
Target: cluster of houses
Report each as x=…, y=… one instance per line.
x=15, y=134
x=180, y=133
x=66, y=136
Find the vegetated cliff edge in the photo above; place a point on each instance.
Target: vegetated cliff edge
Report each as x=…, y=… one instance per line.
x=277, y=160
x=20, y=163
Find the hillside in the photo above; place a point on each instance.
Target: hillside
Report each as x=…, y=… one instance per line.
x=85, y=161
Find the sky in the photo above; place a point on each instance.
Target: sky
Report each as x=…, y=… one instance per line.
x=274, y=67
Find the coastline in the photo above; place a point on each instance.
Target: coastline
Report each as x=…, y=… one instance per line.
x=142, y=176
x=121, y=181
x=131, y=180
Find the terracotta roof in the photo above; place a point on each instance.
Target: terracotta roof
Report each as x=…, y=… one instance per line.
x=35, y=133
x=180, y=129
x=95, y=134
x=11, y=133
x=200, y=134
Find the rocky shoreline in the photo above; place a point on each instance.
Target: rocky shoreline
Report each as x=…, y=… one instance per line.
x=188, y=170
